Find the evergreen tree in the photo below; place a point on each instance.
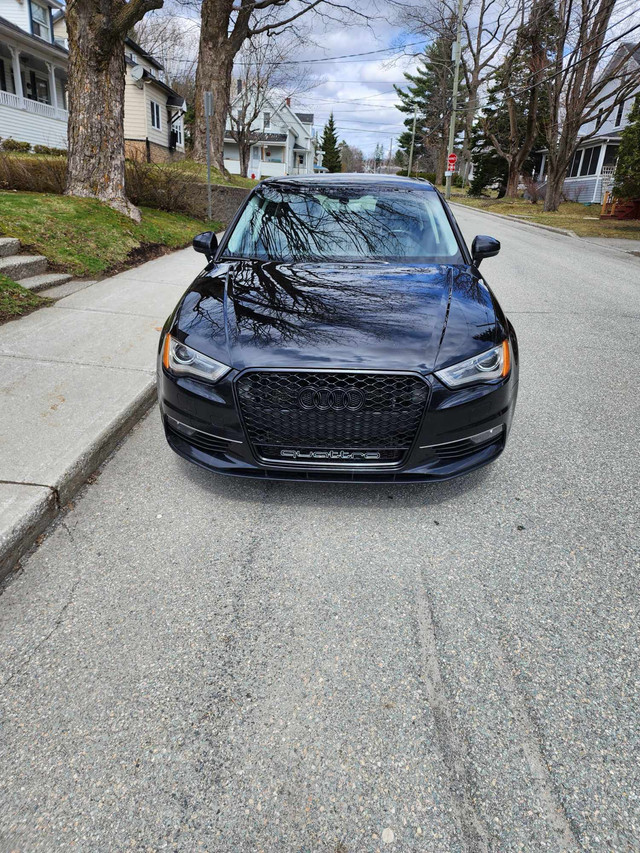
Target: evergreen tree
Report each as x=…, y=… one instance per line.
x=429, y=91
x=489, y=168
x=627, y=179
x=330, y=150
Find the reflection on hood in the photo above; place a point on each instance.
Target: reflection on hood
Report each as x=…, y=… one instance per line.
x=252, y=313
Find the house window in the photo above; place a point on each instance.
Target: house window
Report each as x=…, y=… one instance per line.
x=266, y=120
x=590, y=160
x=574, y=165
x=155, y=115
x=610, y=156
x=3, y=77
x=35, y=87
x=177, y=127
x=238, y=86
x=40, y=21
x=619, y=114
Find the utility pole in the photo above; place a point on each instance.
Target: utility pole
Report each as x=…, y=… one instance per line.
x=413, y=140
x=390, y=149
x=454, y=100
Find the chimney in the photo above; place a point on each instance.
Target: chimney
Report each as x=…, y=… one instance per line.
x=287, y=101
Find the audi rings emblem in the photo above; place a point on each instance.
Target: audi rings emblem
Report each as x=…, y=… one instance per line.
x=326, y=399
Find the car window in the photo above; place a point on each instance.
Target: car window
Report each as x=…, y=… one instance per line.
x=343, y=223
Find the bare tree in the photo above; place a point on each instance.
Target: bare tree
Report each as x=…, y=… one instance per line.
x=525, y=64
x=97, y=30
x=488, y=28
x=352, y=158
x=578, y=88
x=263, y=76
x=171, y=39
x=225, y=27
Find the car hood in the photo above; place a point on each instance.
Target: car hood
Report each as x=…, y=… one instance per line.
x=374, y=316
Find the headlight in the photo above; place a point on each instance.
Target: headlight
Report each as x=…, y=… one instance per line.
x=185, y=361
x=492, y=364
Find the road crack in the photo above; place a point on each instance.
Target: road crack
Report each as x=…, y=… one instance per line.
x=451, y=744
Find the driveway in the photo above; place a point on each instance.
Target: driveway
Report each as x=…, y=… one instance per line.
x=198, y=663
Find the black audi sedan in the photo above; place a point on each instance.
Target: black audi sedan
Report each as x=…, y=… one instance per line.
x=340, y=331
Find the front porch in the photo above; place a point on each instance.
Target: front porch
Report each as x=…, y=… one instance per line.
x=33, y=97
x=590, y=172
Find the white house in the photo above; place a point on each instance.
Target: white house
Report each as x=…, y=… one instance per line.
x=590, y=172
x=284, y=142
x=33, y=83
x=33, y=74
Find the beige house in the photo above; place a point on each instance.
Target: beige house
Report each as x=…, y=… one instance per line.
x=33, y=84
x=153, y=112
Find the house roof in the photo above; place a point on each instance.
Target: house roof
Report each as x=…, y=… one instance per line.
x=173, y=98
x=305, y=118
x=143, y=53
x=270, y=137
x=4, y=24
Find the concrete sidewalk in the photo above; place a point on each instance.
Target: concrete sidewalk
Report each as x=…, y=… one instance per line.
x=75, y=378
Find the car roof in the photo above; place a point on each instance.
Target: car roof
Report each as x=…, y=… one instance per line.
x=358, y=178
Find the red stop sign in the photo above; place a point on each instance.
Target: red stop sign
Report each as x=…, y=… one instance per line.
x=452, y=160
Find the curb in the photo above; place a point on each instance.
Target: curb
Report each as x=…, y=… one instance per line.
x=35, y=520
x=510, y=218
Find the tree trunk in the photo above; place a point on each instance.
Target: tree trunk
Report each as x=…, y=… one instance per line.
x=512, y=179
x=243, y=152
x=214, y=74
x=96, y=110
x=555, y=185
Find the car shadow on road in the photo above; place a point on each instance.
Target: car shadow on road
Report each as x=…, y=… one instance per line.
x=315, y=493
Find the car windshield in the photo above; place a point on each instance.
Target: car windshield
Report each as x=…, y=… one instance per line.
x=343, y=223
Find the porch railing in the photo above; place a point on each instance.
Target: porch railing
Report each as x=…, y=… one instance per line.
x=8, y=99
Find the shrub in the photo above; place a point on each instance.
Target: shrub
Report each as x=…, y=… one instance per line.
x=33, y=174
x=15, y=145
x=163, y=187
x=166, y=188
x=53, y=152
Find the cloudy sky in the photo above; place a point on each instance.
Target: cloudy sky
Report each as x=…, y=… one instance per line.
x=359, y=89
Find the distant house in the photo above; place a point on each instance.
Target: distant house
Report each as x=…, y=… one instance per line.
x=33, y=85
x=590, y=172
x=284, y=143
x=33, y=74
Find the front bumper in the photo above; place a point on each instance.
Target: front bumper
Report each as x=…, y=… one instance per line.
x=460, y=431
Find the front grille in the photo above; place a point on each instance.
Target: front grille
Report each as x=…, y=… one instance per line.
x=315, y=411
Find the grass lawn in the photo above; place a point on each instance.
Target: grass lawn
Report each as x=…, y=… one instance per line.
x=576, y=217
x=16, y=301
x=87, y=238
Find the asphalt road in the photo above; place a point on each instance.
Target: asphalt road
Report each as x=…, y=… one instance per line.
x=197, y=663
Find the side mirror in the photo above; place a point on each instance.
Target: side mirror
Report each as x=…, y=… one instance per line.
x=206, y=243
x=484, y=247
